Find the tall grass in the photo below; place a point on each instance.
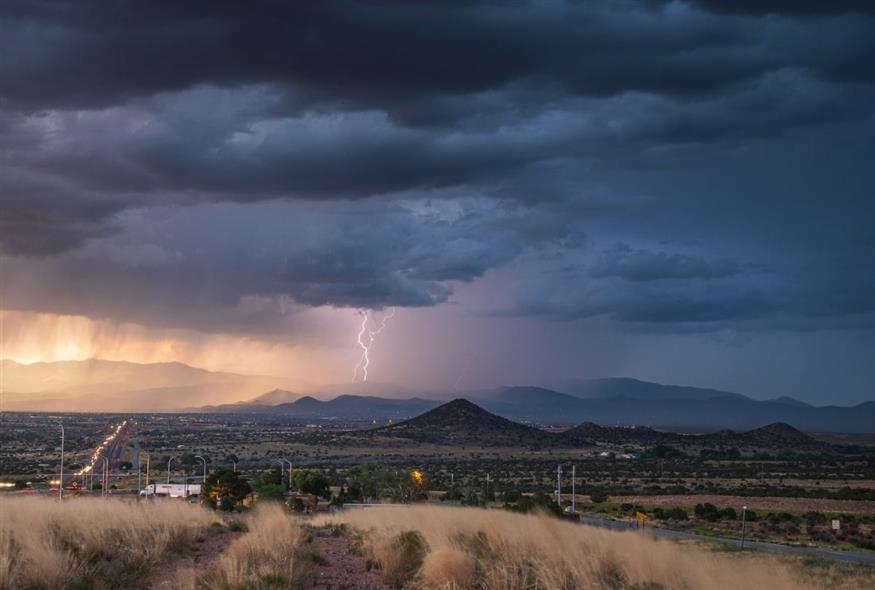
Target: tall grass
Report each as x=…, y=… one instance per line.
x=90, y=542
x=268, y=556
x=466, y=548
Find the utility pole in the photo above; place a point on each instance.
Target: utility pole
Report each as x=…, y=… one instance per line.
x=105, y=476
x=169, y=461
x=61, y=471
x=573, y=478
x=559, y=486
x=148, y=456
x=743, y=515
x=205, y=467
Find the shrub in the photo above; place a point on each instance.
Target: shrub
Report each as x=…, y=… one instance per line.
x=599, y=496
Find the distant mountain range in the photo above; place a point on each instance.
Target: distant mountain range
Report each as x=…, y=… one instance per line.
x=635, y=389
x=698, y=409
x=110, y=386
x=647, y=404
x=117, y=386
x=463, y=423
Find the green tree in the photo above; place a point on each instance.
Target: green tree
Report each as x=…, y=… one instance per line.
x=270, y=485
x=311, y=481
x=225, y=490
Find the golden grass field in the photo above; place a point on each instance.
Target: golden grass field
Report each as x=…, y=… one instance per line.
x=496, y=550
x=49, y=544
x=94, y=544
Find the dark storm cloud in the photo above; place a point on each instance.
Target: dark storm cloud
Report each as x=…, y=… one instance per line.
x=378, y=152
x=675, y=292
x=215, y=145
x=787, y=7
x=225, y=267
x=92, y=54
x=646, y=265
x=385, y=54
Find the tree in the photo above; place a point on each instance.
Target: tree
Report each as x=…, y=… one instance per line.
x=311, y=481
x=270, y=485
x=225, y=490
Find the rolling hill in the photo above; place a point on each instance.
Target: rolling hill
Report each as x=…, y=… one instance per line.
x=772, y=437
x=461, y=422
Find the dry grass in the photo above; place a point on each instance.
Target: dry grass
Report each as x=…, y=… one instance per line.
x=90, y=543
x=497, y=550
x=267, y=556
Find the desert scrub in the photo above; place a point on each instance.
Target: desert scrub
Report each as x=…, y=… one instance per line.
x=429, y=547
x=269, y=555
x=399, y=556
x=89, y=542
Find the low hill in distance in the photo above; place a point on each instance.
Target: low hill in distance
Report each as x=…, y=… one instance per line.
x=463, y=423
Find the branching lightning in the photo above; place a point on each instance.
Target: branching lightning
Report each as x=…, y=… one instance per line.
x=365, y=339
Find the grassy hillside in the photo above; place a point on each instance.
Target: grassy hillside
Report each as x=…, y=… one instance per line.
x=119, y=544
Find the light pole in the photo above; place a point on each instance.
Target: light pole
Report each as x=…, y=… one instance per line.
x=282, y=463
x=169, y=461
x=105, y=476
x=559, y=487
x=61, y=471
x=573, y=477
x=205, y=467
x=743, y=515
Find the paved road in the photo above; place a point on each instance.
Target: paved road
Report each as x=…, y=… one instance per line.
x=831, y=554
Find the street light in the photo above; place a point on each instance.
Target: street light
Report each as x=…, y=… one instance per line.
x=290, y=472
x=743, y=515
x=169, y=461
x=61, y=472
x=282, y=463
x=140, y=471
x=205, y=467
x=105, y=476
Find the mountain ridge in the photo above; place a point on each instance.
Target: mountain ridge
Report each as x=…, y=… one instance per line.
x=461, y=422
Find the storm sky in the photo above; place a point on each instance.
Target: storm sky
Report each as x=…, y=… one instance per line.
x=674, y=191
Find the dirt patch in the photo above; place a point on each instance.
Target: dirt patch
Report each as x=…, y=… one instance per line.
x=339, y=563
x=182, y=573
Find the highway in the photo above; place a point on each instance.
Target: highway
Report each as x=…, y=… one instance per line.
x=110, y=448
x=864, y=557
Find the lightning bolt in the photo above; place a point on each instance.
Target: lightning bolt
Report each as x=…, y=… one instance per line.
x=365, y=339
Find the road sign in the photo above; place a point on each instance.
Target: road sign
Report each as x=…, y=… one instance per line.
x=640, y=516
x=836, y=525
